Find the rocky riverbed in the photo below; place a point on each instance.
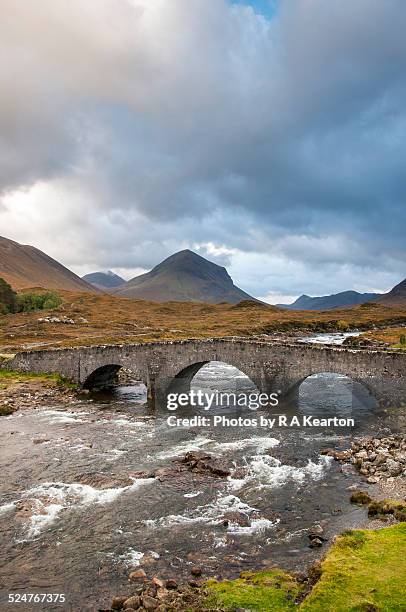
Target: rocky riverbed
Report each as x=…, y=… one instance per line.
x=375, y=458
x=97, y=488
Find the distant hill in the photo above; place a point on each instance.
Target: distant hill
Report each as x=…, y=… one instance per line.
x=327, y=302
x=24, y=266
x=397, y=295
x=184, y=277
x=104, y=280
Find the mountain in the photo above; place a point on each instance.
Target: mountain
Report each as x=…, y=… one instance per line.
x=327, y=302
x=184, y=277
x=104, y=280
x=397, y=295
x=25, y=266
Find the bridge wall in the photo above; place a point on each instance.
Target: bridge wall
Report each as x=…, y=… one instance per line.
x=272, y=367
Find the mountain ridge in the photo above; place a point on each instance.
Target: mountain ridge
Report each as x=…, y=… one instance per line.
x=104, y=280
x=185, y=276
x=329, y=302
x=24, y=266
x=397, y=295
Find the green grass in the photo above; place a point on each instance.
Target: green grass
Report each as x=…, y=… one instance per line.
x=13, y=376
x=399, y=346
x=268, y=590
x=364, y=571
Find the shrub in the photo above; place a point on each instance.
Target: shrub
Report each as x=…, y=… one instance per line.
x=7, y=297
x=27, y=302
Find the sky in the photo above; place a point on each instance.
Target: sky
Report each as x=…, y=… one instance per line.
x=269, y=137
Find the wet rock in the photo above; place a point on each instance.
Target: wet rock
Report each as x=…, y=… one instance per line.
x=316, y=531
x=377, y=458
x=25, y=508
x=196, y=570
x=157, y=582
x=162, y=594
x=143, y=474
x=316, y=543
x=166, y=472
x=203, y=463
x=330, y=452
x=103, y=481
x=171, y=584
x=380, y=459
x=238, y=474
x=149, y=603
x=236, y=517
x=132, y=602
x=118, y=603
x=394, y=467
x=138, y=576
x=360, y=497
x=148, y=559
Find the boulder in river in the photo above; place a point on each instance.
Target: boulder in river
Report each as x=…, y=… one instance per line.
x=138, y=576
x=203, y=463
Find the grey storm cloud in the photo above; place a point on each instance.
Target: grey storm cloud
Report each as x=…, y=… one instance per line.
x=156, y=124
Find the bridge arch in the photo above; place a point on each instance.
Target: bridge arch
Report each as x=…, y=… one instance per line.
x=360, y=389
x=102, y=376
x=182, y=381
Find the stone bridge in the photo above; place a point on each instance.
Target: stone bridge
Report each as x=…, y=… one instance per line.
x=165, y=366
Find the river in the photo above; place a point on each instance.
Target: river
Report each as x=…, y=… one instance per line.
x=65, y=529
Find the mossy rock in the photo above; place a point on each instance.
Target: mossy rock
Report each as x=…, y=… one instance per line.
x=360, y=497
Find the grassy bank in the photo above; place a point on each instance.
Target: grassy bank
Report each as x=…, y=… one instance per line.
x=364, y=571
x=12, y=377
x=17, y=385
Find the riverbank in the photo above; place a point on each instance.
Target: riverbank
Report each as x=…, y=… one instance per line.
x=94, y=491
x=364, y=570
x=20, y=391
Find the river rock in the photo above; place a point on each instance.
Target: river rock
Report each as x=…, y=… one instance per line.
x=360, y=497
x=103, y=481
x=236, y=517
x=377, y=458
x=196, y=570
x=148, y=559
x=118, y=603
x=394, y=467
x=203, y=463
x=171, y=584
x=142, y=474
x=316, y=543
x=149, y=603
x=132, y=602
x=316, y=531
x=166, y=472
x=138, y=576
